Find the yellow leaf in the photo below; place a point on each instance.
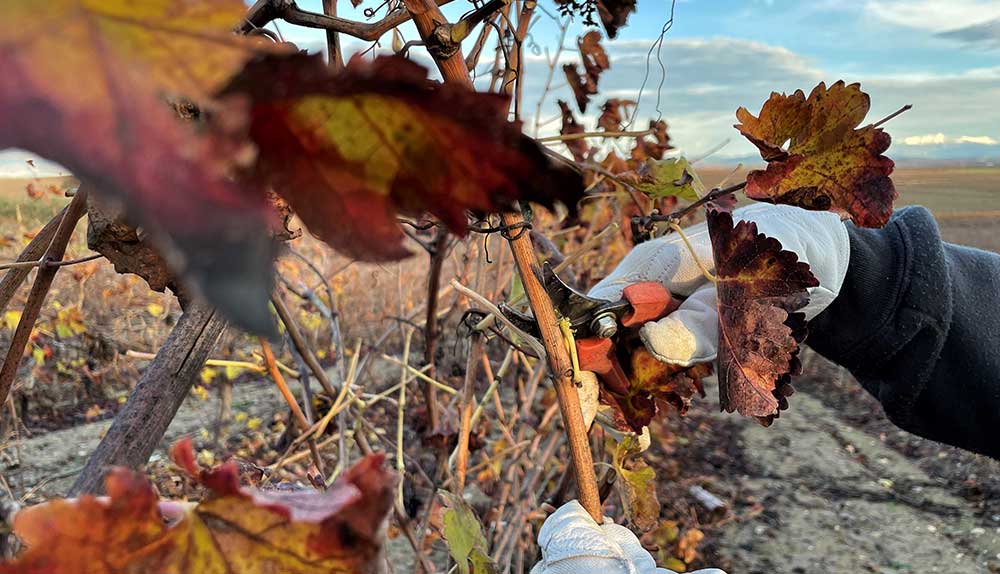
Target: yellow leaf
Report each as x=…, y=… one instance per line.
x=310, y=321
x=38, y=355
x=154, y=309
x=253, y=423
x=208, y=374
x=200, y=392
x=232, y=372
x=240, y=417
x=11, y=319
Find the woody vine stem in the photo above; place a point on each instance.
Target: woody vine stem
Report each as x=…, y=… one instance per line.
x=435, y=31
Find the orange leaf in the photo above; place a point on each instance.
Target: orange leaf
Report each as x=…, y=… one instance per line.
x=654, y=384
x=829, y=165
x=760, y=288
x=233, y=530
x=350, y=150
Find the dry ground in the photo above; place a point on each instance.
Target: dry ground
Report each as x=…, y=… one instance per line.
x=831, y=487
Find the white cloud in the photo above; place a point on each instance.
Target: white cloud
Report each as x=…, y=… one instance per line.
x=928, y=139
x=981, y=140
x=940, y=139
x=936, y=15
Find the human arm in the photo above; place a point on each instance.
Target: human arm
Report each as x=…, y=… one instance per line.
x=917, y=322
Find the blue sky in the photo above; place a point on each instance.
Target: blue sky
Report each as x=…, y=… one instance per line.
x=942, y=56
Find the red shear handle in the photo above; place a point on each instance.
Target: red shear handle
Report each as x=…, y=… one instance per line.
x=598, y=355
x=650, y=301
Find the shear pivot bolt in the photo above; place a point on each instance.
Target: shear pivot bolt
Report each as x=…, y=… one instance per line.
x=604, y=326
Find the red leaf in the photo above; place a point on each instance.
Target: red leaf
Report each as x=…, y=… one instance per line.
x=82, y=85
x=829, y=165
x=760, y=288
x=350, y=150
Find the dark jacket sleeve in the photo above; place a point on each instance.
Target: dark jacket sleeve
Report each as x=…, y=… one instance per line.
x=917, y=322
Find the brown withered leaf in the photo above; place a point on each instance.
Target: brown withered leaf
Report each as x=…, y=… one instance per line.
x=653, y=385
x=234, y=529
x=651, y=149
x=760, y=289
x=611, y=114
x=614, y=14
x=349, y=150
x=595, y=61
x=829, y=165
x=578, y=147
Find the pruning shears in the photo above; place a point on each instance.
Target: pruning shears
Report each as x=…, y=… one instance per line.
x=597, y=322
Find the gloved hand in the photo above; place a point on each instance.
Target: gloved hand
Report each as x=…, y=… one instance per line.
x=690, y=334
x=572, y=543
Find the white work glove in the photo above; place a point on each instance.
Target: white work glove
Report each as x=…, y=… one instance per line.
x=690, y=334
x=572, y=543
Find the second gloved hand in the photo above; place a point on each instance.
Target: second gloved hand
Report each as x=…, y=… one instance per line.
x=690, y=334
x=572, y=543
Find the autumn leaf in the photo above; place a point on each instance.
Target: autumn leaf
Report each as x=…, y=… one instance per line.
x=829, y=165
x=671, y=177
x=595, y=61
x=83, y=85
x=463, y=533
x=636, y=485
x=350, y=150
x=653, y=385
x=760, y=288
x=613, y=114
x=614, y=14
x=234, y=529
x=577, y=147
x=651, y=149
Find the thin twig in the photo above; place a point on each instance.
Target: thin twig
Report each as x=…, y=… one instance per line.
x=893, y=115
x=584, y=135
x=300, y=344
x=39, y=263
x=300, y=417
x=467, y=406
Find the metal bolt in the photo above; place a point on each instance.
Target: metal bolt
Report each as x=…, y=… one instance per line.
x=604, y=326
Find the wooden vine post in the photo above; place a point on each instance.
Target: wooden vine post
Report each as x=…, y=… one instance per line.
x=436, y=32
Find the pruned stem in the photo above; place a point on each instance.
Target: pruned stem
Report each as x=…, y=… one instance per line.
x=562, y=370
